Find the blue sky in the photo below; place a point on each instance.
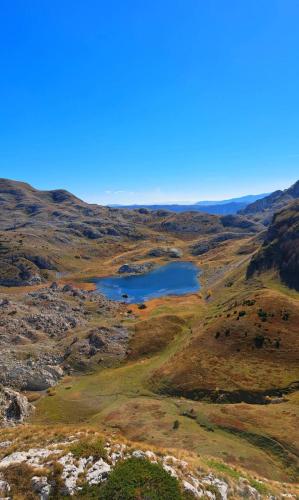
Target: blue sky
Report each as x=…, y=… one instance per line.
x=150, y=101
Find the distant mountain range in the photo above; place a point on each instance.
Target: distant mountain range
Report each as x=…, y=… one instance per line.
x=249, y=198
x=222, y=207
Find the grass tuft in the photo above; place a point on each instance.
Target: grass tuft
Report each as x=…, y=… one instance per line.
x=93, y=447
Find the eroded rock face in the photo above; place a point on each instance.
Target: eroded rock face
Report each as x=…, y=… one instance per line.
x=173, y=253
x=14, y=407
x=28, y=375
x=110, y=342
x=206, y=244
x=280, y=250
x=41, y=486
x=136, y=268
x=34, y=332
x=18, y=271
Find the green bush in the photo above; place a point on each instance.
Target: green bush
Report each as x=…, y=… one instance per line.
x=176, y=424
x=136, y=479
x=93, y=447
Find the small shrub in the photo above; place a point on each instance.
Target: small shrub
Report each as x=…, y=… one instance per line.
x=259, y=486
x=285, y=316
x=176, y=424
x=214, y=490
x=56, y=481
x=248, y=302
x=138, y=479
x=259, y=341
x=93, y=447
x=51, y=391
x=223, y=468
x=262, y=314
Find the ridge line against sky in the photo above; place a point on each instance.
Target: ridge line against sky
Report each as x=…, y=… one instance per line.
x=150, y=102
x=143, y=200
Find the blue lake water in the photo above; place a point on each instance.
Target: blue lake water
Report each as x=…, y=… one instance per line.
x=175, y=278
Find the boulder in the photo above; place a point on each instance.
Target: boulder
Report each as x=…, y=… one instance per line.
x=175, y=253
x=14, y=407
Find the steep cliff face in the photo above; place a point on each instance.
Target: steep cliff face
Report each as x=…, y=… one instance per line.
x=264, y=208
x=280, y=250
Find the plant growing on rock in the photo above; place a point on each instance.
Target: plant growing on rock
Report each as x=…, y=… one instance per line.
x=136, y=479
x=93, y=447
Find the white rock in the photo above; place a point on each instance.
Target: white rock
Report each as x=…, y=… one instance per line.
x=247, y=491
x=209, y=494
x=170, y=470
x=189, y=487
x=174, y=460
x=98, y=472
x=41, y=486
x=71, y=470
x=222, y=486
x=4, y=488
x=31, y=457
x=138, y=454
x=151, y=456
x=115, y=456
x=13, y=458
x=5, y=444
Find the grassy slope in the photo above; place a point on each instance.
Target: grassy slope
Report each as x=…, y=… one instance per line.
x=123, y=400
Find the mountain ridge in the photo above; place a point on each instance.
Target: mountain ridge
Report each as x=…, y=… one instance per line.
x=267, y=206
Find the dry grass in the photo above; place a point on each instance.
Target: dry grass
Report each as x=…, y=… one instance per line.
x=153, y=335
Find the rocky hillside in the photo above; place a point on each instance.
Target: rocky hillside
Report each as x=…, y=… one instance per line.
x=51, y=332
x=53, y=463
x=280, y=250
x=265, y=208
x=45, y=232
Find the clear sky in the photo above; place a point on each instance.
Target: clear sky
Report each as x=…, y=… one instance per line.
x=125, y=101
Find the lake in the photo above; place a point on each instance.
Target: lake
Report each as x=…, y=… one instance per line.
x=175, y=278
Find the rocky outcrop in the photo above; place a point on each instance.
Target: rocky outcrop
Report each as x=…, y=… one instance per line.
x=35, y=328
x=264, y=208
x=206, y=244
x=280, y=250
x=109, y=342
x=173, y=253
x=14, y=407
x=18, y=271
x=136, y=268
x=89, y=471
x=29, y=375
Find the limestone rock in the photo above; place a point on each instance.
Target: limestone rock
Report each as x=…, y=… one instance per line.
x=14, y=407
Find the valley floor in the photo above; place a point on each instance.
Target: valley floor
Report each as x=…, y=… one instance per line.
x=130, y=399
x=181, y=352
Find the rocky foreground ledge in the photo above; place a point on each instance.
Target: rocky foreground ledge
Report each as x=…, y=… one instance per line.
x=85, y=465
